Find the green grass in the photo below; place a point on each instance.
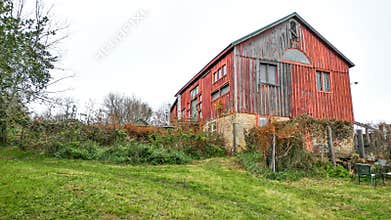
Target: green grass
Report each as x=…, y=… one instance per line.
x=33, y=186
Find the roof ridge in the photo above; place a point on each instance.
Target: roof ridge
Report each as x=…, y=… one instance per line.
x=254, y=33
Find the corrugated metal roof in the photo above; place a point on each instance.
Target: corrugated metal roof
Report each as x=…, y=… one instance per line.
x=259, y=31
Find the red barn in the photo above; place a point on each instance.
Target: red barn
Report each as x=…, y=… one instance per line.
x=283, y=70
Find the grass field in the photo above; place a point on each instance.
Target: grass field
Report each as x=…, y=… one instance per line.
x=36, y=187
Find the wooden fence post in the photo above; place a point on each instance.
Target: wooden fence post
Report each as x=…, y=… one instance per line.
x=235, y=140
x=367, y=136
x=331, y=147
x=274, y=153
x=360, y=138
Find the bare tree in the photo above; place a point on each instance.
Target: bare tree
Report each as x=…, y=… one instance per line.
x=122, y=109
x=161, y=116
x=92, y=114
x=61, y=108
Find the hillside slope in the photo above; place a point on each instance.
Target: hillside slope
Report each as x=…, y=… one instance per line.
x=33, y=186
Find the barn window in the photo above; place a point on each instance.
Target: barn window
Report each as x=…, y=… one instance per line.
x=194, y=92
x=215, y=95
x=200, y=106
x=220, y=74
x=326, y=81
x=224, y=90
x=214, y=76
x=319, y=82
x=211, y=126
x=224, y=70
x=296, y=55
x=323, y=81
x=293, y=30
x=268, y=73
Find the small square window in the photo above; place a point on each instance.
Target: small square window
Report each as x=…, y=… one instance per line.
x=194, y=92
x=215, y=95
x=212, y=126
x=323, y=81
x=268, y=73
x=224, y=90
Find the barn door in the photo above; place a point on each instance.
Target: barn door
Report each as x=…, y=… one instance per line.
x=194, y=110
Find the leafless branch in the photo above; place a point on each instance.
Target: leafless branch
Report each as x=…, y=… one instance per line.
x=60, y=79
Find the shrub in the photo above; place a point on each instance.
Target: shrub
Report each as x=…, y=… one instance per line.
x=252, y=161
x=293, y=139
x=196, y=144
x=141, y=153
x=128, y=144
x=131, y=152
x=326, y=169
x=77, y=150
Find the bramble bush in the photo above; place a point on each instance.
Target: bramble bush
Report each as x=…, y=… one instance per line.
x=120, y=144
x=130, y=152
x=293, y=160
x=252, y=162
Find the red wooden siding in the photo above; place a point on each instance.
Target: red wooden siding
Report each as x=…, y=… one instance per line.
x=336, y=104
x=320, y=55
x=174, y=112
x=295, y=91
x=306, y=99
x=207, y=86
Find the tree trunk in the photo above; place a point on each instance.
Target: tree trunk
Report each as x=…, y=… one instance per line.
x=3, y=131
x=3, y=123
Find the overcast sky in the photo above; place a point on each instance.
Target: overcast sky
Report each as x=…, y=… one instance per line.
x=175, y=39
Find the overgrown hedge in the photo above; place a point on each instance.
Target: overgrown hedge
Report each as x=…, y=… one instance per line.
x=292, y=156
x=128, y=152
x=120, y=144
x=252, y=162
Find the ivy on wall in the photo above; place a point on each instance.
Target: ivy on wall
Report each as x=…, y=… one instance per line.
x=291, y=138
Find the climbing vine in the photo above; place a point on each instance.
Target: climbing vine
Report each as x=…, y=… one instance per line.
x=292, y=137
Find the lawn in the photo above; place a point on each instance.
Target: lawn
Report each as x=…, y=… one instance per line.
x=33, y=186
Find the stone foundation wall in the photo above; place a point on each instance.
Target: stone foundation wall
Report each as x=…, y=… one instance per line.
x=233, y=128
x=235, y=124
x=342, y=148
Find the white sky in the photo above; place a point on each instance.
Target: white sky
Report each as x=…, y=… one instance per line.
x=178, y=38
